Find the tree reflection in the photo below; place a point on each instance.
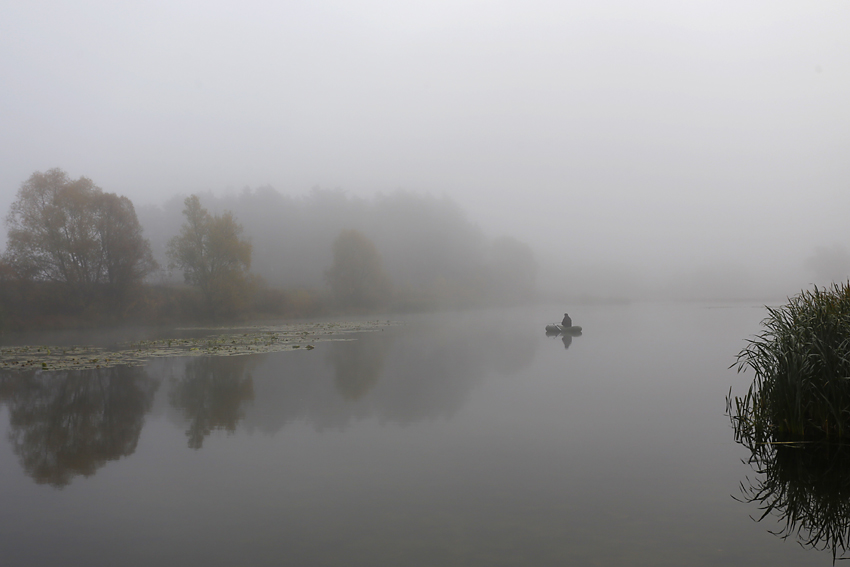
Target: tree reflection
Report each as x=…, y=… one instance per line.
x=71, y=423
x=358, y=364
x=808, y=488
x=403, y=375
x=210, y=394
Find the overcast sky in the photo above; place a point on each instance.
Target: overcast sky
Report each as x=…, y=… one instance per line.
x=640, y=134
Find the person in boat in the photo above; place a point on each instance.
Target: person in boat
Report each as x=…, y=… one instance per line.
x=567, y=322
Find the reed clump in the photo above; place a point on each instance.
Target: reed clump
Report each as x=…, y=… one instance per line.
x=801, y=360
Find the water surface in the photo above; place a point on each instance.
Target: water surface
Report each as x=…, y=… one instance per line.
x=451, y=439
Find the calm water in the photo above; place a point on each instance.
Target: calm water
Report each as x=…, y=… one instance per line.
x=452, y=439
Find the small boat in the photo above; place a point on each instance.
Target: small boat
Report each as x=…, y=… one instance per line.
x=560, y=329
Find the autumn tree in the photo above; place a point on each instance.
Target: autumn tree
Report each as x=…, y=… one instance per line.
x=71, y=232
x=357, y=277
x=126, y=254
x=212, y=256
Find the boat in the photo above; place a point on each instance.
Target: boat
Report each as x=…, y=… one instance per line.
x=560, y=329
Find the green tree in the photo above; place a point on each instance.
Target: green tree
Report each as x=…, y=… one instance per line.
x=71, y=232
x=357, y=276
x=212, y=256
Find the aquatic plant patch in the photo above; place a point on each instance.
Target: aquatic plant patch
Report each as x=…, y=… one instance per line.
x=220, y=342
x=801, y=361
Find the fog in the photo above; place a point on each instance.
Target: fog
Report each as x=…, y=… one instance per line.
x=643, y=150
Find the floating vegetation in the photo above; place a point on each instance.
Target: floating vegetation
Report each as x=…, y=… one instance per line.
x=801, y=361
x=221, y=342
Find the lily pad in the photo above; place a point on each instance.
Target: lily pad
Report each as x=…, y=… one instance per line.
x=221, y=341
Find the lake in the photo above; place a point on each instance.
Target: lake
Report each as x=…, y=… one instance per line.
x=445, y=439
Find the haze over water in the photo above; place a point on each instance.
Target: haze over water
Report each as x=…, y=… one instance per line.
x=617, y=157
x=660, y=148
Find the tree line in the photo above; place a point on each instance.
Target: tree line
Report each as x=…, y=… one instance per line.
x=78, y=254
x=430, y=252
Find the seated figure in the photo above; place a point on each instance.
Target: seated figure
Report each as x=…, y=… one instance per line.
x=567, y=322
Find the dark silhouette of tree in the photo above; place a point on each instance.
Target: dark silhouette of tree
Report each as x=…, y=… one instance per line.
x=71, y=232
x=126, y=254
x=212, y=256
x=65, y=424
x=211, y=393
x=357, y=276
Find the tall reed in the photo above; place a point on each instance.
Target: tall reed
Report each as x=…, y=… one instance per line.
x=801, y=361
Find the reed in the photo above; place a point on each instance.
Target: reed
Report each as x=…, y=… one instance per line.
x=801, y=361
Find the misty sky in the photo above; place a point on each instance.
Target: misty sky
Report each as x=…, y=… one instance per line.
x=644, y=134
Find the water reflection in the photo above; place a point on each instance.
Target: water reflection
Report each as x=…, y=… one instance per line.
x=358, y=364
x=807, y=487
x=566, y=336
x=409, y=375
x=64, y=424
x=211, y=393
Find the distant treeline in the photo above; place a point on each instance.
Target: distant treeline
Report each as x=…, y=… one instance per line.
x=78, y=255
x=431, y=253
